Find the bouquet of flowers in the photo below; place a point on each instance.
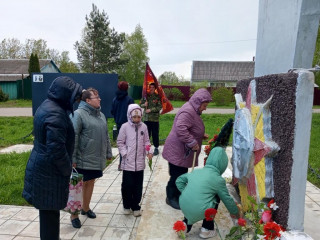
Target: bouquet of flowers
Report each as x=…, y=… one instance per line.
x=74, y=203
x=148, y=147
x=260, y=224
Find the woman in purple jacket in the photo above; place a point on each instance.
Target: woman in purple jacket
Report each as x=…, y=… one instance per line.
x=132, y=141
x=185, y=137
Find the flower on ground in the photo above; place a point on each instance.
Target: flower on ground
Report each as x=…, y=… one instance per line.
x=260, y=224
x=272, y=230
x=180, y=227
x=242, y=222
x=266, y=216
x=210, y=214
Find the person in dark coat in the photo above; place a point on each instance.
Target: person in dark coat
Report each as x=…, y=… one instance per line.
x=119, y=108
x=47, y=175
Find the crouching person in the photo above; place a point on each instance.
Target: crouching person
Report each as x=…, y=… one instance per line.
x=203, y=189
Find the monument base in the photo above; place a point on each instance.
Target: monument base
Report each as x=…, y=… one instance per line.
x=295, y=235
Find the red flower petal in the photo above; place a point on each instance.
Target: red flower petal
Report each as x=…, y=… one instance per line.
x=179, y=226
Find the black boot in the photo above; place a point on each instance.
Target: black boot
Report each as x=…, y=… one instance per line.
x=171, y=200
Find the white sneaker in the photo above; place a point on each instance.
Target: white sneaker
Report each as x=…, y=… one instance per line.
x=126, y=211
x=205, y=233
x=137, y=213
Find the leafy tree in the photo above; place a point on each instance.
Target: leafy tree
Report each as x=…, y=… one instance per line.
x=67, y=66
x=135, y=53
x=168, y=78
x=100, y=47
x=316, y=58
x=11, y=49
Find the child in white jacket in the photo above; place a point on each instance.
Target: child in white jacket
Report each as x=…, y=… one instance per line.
x=132, y=141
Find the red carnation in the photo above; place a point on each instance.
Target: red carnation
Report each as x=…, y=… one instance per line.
x=271, y=230
x=269, y=204
x=215, y=137
x=210, y=214
x=207, y=149
x=179, y=226
x=242, y=222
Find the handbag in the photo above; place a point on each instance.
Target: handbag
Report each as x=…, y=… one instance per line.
x=74, y=204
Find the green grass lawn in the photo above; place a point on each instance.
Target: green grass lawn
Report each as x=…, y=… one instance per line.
x=13, y=129
x=16, y=103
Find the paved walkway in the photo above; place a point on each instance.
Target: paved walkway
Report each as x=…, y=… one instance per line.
x=22, y=223
x=27, y=112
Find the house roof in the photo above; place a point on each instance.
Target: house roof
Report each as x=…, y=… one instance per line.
x=227, y=71
x=13, y=69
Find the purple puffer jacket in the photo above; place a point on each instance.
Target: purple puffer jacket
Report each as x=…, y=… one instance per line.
x=132, y=141
x=186, y=132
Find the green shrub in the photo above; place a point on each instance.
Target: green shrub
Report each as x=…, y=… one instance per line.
x=177, y=94
x=3, y=96
x=222, y=96
x=168, y=93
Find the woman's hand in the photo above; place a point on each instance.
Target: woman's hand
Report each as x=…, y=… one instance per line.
x=150, y=156
x=148, y=110
x=74, y=165
x=195, y=147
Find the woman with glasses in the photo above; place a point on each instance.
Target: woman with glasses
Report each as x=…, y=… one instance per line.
x=92, y=147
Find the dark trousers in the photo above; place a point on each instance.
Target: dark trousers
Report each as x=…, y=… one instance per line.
x=131, y=189
x=205, y=224
x=153, y=130
x=174, y=172
x=49, y=224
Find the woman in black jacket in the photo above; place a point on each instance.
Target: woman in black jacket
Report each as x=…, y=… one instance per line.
x=46, y=183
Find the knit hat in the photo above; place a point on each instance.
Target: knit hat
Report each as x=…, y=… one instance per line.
x=136, y=112
x=123, y=86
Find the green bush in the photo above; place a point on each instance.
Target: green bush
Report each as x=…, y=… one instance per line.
x=222, y=96
x=167, y=91
x=173, y=94
x=3, y=96
x=177, y=94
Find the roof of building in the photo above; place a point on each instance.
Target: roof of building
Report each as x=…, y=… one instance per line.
x=222, y=70
x=13, y=69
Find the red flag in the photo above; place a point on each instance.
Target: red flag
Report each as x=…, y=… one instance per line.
x=150, y=78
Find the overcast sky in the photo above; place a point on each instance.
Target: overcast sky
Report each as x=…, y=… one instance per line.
x=177, y=31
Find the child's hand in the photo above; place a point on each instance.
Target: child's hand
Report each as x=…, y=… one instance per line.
x=150, y=156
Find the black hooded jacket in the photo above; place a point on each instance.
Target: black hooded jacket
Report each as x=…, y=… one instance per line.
x=120, y=107
x=46, y=183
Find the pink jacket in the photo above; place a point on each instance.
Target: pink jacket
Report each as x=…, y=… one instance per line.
x=132, y=141
x=187, y=131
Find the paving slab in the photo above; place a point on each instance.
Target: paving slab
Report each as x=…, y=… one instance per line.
x=156, y=222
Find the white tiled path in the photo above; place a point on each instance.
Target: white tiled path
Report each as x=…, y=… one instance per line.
x=22, y=223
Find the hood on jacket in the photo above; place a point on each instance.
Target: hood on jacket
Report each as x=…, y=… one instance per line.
x=218, y=159
x=120, y=94
x=65, y=91
x=86, y=106
x=200, y=96
x=132, y=107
